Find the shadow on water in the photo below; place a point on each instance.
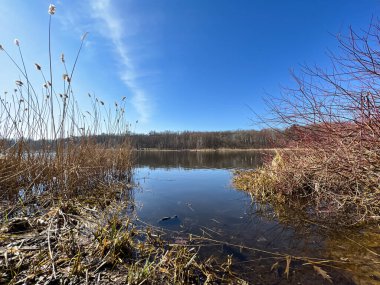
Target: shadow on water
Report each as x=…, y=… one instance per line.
x=190, y=193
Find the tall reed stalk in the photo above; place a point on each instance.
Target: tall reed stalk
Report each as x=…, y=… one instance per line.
x=48, y=144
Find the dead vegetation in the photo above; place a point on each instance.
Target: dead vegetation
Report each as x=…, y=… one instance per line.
x=332, y=120
x=81, y=242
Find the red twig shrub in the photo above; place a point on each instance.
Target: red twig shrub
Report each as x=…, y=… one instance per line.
x=332, y=118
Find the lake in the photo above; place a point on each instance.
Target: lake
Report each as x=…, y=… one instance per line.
x=188, y=192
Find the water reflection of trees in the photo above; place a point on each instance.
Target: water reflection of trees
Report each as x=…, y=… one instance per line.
x=202, y=159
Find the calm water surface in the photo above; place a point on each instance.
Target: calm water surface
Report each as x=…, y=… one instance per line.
x=194, y=189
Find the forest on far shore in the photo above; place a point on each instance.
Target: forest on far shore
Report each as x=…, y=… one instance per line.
x=187, y=140
x=241, y=139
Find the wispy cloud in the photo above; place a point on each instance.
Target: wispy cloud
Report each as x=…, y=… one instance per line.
x=114, y=29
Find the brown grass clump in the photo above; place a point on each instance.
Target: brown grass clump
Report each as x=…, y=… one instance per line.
x=313, y=182
x=81, y=242
x=332, y=121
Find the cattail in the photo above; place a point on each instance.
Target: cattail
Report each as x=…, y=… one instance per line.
x=67, y=78
x=19, y=83
x=17, y=42
x=51, y=10
x=38, y=66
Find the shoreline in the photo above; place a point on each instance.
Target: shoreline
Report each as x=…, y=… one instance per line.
x=210, y=150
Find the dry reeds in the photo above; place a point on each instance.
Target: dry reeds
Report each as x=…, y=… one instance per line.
x=48, y=144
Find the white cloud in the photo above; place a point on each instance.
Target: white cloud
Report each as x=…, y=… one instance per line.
x=113, y=29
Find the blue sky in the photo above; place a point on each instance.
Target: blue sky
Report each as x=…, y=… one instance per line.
x=183, y=65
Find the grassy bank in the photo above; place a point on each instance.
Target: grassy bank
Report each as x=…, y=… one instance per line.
x=312, y=182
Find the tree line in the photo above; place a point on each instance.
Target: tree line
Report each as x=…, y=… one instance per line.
x=246, y=139
x=241, y=139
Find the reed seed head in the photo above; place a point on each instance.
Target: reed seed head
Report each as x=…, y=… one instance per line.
x=38, y=66
x=19, y=83
x=66, y=78
x=16, y=42
x=51, y=10
x=84, y=36
x=1, y=47
x=62, y=57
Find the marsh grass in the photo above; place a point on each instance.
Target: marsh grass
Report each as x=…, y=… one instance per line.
x=323, y=187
